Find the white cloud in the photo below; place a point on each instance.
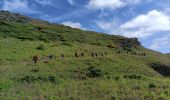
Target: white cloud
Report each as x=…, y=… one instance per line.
x=45, y=2
x=110, y=4
x=108, y=26
x=104, y=25
x=142, y=26
x=163, y=42
x=71, y=2
x=18, y=6
x=73, y=24
x=147, y=24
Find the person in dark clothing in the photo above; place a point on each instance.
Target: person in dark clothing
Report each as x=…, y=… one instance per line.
x=82, y=54
x=76, y=55
x=102, y=54
x=140, y=54
x=50, y=57
x=35, y=59
x=96, y=54
x=92, y=54
x=62, y=56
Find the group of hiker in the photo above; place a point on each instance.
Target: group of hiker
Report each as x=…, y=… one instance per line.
x=76, y=55
x=93, y=55
x=132, y=53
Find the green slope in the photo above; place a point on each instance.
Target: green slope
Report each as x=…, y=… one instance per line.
x=168, y=55
x=111, y=76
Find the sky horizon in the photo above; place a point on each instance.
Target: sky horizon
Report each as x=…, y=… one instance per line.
x=148, y=20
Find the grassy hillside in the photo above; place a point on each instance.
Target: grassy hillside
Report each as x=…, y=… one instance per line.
x=127, y=75
x=168, y=55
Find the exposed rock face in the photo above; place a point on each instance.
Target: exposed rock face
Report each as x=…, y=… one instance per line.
x=129, y=43
x=13, y=17
x=160, y=68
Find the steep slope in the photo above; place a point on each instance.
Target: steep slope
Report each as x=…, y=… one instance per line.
x=111, y=67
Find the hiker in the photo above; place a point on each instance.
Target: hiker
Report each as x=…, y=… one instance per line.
x=92, y=54
x=105, y=53
x=82, y=54
x=140, y=54
x=134, y=53
x=76, y=55
x=96, y=54
x=118, y=52
x=50, y=57
x=35, y=58
x=102, y=54
x=62, y=56
x=127, y=52
x=144, y=54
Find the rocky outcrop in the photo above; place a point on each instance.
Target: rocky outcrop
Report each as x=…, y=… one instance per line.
x=129, y=43
x=13, y=17
x=160, y=68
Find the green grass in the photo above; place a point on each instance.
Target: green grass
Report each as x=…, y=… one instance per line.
x=111, y=77
x=70, y=74
x=168, y=55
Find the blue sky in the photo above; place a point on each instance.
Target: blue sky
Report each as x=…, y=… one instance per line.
x=148, y=20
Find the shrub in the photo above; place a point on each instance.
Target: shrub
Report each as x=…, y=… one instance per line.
x=32, y=79
x=41, y=47
x=94, y=72
x=52, y=79
x=152, y=85
x=27, y=79
x=34, y=70
x=117, y=78
x=3, y=23
x=127, y=49
x=137, y=77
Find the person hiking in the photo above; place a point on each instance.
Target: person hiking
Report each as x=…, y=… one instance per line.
x=35, y=59
x=50, y=57
x=76, y=55
x=92, y=54
x=82, y=54
x=96, y=54
x=62, y=56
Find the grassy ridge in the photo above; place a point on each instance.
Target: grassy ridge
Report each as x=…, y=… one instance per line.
x=111, y=77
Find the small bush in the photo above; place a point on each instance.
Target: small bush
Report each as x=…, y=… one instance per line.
x=136, y=77
x=35, y=70
x=52, y=79
x=152, y=85
x=3, y=23
x=32, y=79
x=117, y=78
x=113, y=98
x=94, y=72
x=27, y=79
x=42, y=79
x=41, y=47
x=127, y=49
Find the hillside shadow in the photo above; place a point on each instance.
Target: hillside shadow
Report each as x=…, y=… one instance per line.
x=162, y=69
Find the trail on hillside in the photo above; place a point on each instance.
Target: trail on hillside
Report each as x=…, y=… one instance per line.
x=47, y=60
